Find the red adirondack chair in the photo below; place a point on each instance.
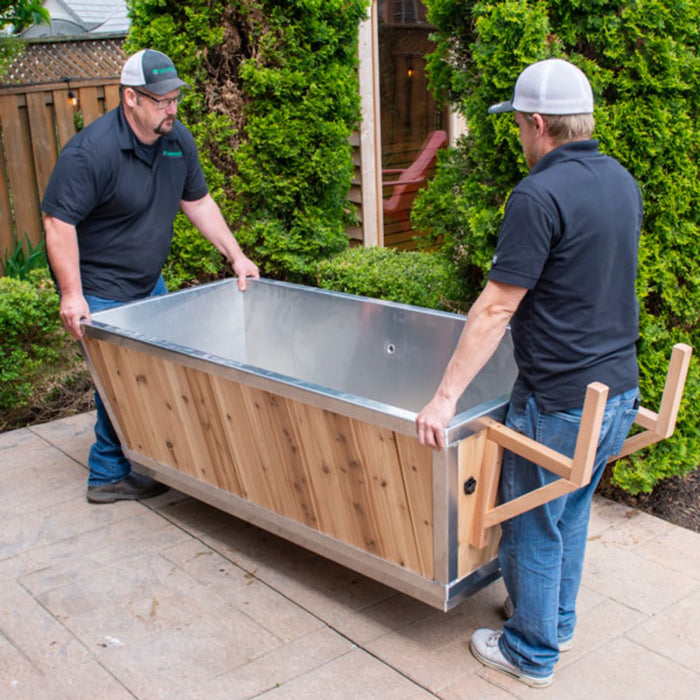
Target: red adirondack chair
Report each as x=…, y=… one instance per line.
x=398, y=204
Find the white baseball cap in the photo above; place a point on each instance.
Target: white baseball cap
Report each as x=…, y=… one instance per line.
x=552, y=86
x=152, y=70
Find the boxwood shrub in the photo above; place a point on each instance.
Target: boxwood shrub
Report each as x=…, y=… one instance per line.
x=31, y=337
x=410, y=277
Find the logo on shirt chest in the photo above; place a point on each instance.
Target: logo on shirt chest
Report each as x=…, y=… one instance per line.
x=172, y=154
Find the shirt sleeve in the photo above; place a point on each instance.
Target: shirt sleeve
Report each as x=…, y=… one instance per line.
x=72, y=192
x=524, y=241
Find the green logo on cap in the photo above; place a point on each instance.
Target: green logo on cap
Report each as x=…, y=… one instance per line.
x=158, y=71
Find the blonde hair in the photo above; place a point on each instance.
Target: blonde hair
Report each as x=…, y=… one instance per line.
x=563, y=128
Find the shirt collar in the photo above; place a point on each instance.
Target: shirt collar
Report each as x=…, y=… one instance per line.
x=125, y=136
x=573, y=150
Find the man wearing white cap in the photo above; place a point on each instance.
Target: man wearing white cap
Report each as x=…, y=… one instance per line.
x=564, y=276
x=109, y=210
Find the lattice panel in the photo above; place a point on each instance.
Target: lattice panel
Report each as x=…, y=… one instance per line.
x=55, y=61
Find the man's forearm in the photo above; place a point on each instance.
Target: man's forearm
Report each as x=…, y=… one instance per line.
x=485, y=325
x=482, y=332
x=206, y=216
x=62, y=252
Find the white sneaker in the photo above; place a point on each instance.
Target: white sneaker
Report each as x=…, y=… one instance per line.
x=566, y=644
x=509, y=609
x=484, y=646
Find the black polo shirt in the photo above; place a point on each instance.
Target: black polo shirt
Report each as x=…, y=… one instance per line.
x=570, y=235
x=122, y=197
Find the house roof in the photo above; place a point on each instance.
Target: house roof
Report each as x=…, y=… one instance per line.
x=78, y=17
x=49, y=61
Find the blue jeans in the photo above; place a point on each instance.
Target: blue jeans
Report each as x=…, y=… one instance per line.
x=541, y=552
x=106, y=460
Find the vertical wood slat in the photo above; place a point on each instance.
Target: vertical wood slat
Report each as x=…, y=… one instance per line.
x=469, y=457
x=89, y=104
x=43, y=138
x=416, y=468
x=111, y=97
x=475, y=455
x=292, y=481
x=119, y=384
x=176, y=445
x=332, y=475
x=358, y=515
x=214, y=452
x=356, y=482
x=65, y=122
x=377, y=449
x=20, y=168
x=6, y=219
x=486, y=494
x=240, y=407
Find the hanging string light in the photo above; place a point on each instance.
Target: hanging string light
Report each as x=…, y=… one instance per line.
x=72, y=97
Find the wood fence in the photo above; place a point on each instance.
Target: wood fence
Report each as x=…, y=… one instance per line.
x=36, y=121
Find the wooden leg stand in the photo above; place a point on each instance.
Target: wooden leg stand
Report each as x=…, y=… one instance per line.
x=575, y=472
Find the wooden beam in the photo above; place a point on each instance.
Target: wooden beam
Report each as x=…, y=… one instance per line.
x=661, y=425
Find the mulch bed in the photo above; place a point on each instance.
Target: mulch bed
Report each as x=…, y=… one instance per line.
x=676, y=499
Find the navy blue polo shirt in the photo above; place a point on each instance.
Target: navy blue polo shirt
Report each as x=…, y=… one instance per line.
x=570, y=235
x=122, y=196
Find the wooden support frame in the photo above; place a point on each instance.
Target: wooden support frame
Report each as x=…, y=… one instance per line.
x=574, y=472
x=659, y=426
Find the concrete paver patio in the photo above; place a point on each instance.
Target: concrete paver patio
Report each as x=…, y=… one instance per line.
x=172, y=598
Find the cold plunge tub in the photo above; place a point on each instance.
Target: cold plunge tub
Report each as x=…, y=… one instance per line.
x=293, y=408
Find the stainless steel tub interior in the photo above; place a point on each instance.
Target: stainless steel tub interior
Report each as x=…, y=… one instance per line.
x=368, y=352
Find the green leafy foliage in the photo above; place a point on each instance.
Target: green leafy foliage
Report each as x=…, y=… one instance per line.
x=10, y=49
x=273, y=102
x=409, y=277
x=191, y=258
x=30, y=335
x=19, y=14
x=294, y=171
x=643, y=61
x=24, y=257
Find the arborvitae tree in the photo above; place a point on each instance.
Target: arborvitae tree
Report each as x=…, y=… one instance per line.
x=274, y=100
x=643, y=62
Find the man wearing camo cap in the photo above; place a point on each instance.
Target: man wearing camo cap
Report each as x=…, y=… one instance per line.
x=109, y=210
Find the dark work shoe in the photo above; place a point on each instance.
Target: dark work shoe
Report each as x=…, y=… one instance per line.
x=133, y=487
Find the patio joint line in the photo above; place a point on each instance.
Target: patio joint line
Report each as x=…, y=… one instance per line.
x=327, y=624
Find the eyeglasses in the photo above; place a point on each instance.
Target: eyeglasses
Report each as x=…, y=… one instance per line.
x=161, y=102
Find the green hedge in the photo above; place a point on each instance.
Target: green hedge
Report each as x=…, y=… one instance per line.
x=409, y=277
x=643, y=61
x=274, y=100
x=31, y=337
